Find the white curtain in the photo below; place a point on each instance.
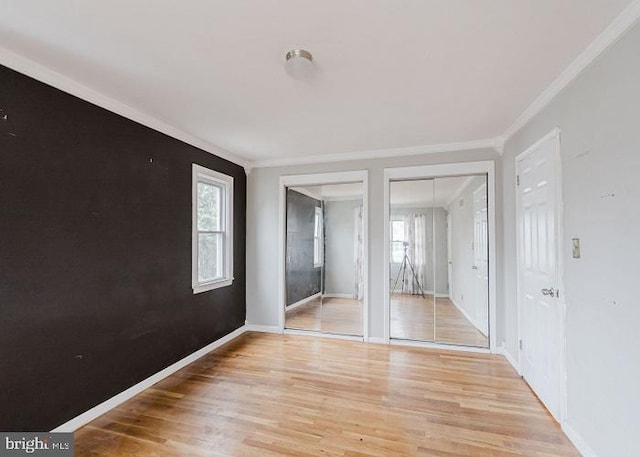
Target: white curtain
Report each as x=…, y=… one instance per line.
x=415, y=226
x=358, y=254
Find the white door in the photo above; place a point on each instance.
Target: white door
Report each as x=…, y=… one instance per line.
x=481, y=259
x=538, y=272
x=449, y=258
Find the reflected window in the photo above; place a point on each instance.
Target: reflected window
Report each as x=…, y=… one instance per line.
x=317, y=239
x=397, y=241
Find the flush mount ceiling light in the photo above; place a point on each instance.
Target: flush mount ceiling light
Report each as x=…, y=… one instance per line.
x=299, y=63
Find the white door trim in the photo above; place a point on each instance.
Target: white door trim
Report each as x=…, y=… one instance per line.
x=436, y=171
x=317, y=179
x=556, y=134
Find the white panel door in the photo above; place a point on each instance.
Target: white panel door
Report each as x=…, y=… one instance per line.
x=481, y=260
x=449, y=257
x=541, y=310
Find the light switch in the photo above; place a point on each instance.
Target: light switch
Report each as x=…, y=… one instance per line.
x=576, y=247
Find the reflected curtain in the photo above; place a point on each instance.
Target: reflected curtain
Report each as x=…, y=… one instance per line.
x=416, y=235
x=358, y=254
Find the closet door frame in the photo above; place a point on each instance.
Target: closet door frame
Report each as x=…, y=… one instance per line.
x=321, y=179
x=432, y=172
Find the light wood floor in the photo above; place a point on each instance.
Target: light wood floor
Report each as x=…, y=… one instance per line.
x=412, y=318
x=288, y=395
x=341, y=316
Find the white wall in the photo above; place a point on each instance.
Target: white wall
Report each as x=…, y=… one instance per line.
x=599, y=118
x=262, y=230
x=340, y=269
x=462, y=235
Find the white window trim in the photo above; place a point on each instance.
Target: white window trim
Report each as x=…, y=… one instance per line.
x=393, y=240
x=201, y=174
x=320, y=262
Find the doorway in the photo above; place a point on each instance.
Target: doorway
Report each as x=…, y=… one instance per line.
x=540, y=297
x=440, y=258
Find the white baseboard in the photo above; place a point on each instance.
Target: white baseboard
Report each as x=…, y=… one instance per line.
x=132, y=391
x=288, y=331
x=304, y=301
x=262, y=328
x=376, y=340
x=502, y=350
x=440, y=346
x=578, y=441
x=337, y=296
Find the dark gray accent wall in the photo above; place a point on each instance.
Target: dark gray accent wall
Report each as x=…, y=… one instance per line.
x=95, y=255
x=302, y=278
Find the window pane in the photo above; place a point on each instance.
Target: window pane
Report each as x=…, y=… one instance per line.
x=209, y=207
x=210, y=255
x=397, y=251
x=397, y=231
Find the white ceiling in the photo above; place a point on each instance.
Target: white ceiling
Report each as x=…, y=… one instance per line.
x=426, y=192
x=389, y=73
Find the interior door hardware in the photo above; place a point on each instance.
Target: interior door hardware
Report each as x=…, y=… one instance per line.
x=551, y=292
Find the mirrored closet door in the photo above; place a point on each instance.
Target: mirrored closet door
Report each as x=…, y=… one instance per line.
x=438, y=272
x=324, y=282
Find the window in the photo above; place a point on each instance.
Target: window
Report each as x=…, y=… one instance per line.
x=317, y=239
x=212, y=229
x=397, y=241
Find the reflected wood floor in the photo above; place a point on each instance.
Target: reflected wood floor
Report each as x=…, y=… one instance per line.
x=412, y=318
x=342, y=316
x=289, y=395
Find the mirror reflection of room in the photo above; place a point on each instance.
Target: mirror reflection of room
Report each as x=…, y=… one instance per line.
x=324, y=280
x=439, y=260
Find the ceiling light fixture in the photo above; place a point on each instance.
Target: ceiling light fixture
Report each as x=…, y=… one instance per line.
x=299, y=63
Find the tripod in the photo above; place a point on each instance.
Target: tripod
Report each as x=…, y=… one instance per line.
x=403, y=272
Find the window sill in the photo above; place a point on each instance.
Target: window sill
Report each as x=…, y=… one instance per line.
x=211, y=285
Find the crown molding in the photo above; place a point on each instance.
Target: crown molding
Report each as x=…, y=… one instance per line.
x=43, y=74
x=499, y=144
x=376, y=154
x=621, y=24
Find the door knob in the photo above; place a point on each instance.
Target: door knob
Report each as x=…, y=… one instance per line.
x=551, y=292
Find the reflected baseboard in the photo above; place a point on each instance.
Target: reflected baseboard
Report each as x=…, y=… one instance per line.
x=337, y=296
x=464, y=313
x=303, y=301
x=426, y=292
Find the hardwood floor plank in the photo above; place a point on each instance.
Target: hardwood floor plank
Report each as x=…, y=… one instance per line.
x=290, y=395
